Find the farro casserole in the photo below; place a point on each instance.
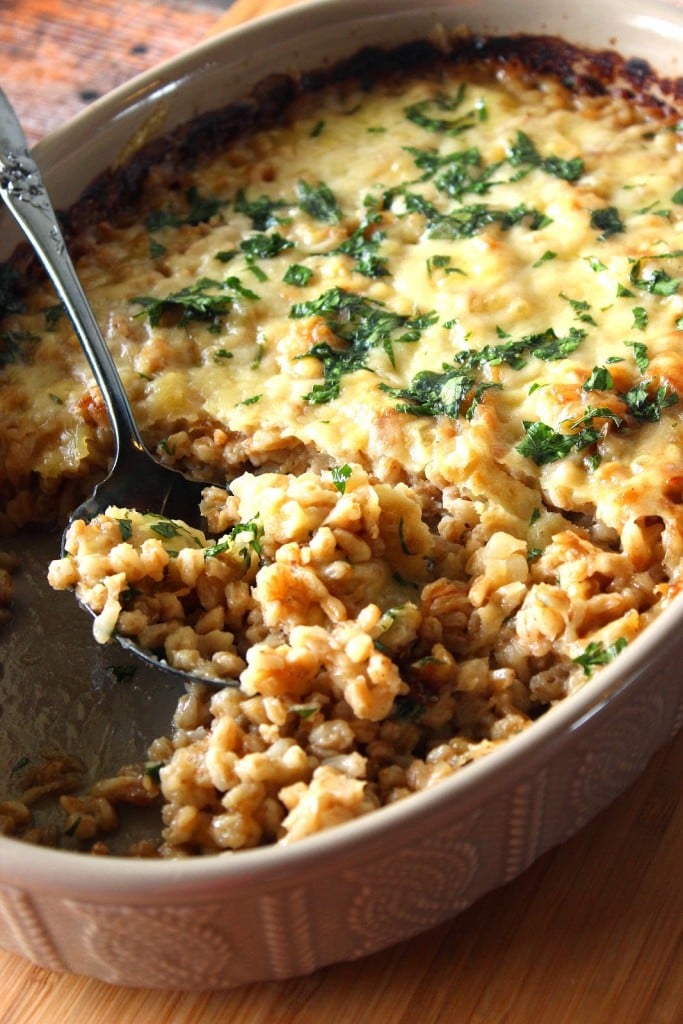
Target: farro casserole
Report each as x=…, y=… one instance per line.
x=422, y=314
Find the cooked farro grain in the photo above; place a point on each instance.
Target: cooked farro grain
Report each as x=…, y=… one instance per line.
x=428, y=329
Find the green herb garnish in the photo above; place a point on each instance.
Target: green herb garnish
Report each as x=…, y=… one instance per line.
x=152, y=770
x=298, y=275
x=430, y=113
x=467, y=221
x=261, y=211
x=654, y=280
x=596, y=654
x=361, y=324
x=607, y=221
x=254, y=531
x=523, y=155
x=362, y=246
x=340, y=475
x=318, y=201
x=600, y=379
x=639, y=354
x=204, y=300
x=647, y=406
x=542, y=444
x=263, y=246
x=125, y=529
x=439, y=394
x=640, y=318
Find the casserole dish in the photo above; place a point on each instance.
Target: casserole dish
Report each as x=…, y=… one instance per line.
x=449, y=844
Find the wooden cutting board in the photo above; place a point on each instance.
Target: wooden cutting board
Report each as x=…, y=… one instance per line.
x=590, y=934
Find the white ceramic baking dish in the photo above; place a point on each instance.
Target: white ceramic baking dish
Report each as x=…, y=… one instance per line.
x=277, y=912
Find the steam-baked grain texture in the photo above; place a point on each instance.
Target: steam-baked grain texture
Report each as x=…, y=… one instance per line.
x=428, y=326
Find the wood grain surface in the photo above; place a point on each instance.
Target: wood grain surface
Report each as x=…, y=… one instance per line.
x=590, y=934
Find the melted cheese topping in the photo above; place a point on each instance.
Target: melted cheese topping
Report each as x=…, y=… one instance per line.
x=469, y=280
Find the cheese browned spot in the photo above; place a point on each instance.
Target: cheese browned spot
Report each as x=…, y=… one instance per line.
x=430, y=331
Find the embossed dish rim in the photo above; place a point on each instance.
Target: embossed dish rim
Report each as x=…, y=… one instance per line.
x=120, y=115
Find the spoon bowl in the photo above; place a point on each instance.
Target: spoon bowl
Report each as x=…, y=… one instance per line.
x=136, y=480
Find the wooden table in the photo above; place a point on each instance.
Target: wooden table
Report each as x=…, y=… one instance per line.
x=591, y=934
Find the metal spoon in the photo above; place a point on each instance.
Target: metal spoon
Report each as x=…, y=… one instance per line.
x=136, y=479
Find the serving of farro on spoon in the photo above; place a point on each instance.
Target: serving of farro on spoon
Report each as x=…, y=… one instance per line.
x=166, y=503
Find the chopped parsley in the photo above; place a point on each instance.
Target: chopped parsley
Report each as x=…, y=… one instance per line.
x=434, y=113
x=580, y=307
x=545, y=345
x=242, y=538
x=200, y=209
x=437, y=263
x=596, y=654
x=298, y=275
x=607, y=221
x=595, y=264
x=646, y=405
x=157, y=220
x=261, y=211
x=639, y=354
x=600, y=379
x=547, y=255
x=305, y=710
x=640, y=318
x=156, y=249
x=469, y=220
x=439, y=394
x=362, y=246
x=543, y=445
x=262, y=246
x=459, y=173
x=464, y=171
x=340, y=475
x=125, y=529
x=361, y=324
x=205, y=300
x=222, y=353
x=165, y=528
x=523, y=154
x=260, y=352
x=319, y=202
x=152, y=769
x=654, y=280
x=236, y=286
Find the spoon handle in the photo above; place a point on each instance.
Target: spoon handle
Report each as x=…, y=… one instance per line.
x=23, y=190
